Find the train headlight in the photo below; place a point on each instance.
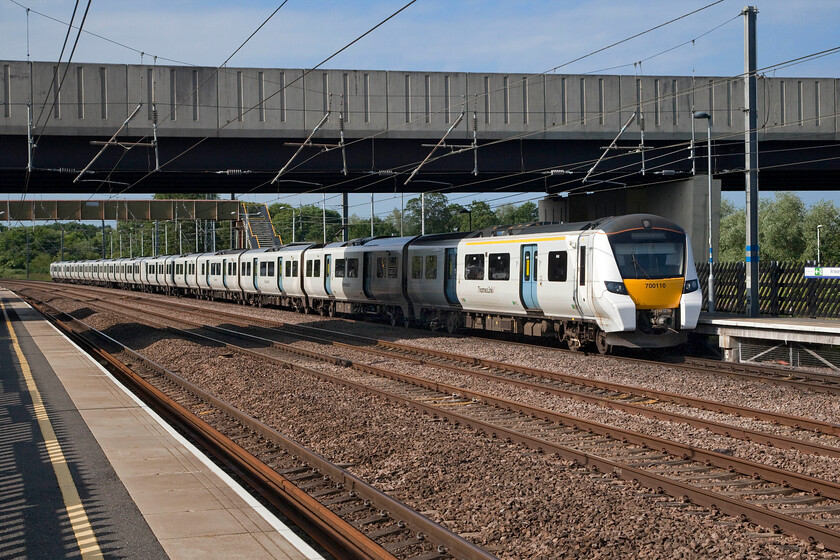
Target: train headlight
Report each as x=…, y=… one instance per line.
x=616, y=288
x=691, y=286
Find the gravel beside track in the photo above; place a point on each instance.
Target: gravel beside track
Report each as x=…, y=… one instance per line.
x=515, y=502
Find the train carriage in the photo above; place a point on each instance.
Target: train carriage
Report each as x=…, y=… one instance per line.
x=624, y=280
x=431, y=279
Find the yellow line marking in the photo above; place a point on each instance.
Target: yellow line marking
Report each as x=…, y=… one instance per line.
x=72, y=502
x=524, y=241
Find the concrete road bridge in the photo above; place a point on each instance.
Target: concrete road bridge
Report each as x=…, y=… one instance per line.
x=233, y=129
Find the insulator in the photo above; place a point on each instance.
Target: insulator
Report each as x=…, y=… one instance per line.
x=154, y=116
x=341, y=124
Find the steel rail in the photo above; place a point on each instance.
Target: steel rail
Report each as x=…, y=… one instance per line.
x=756, y=436
x=642, y=392
x=349, y=539
x=764, y=516
x=820, y=382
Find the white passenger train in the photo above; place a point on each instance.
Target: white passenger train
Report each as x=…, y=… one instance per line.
x=623, y=281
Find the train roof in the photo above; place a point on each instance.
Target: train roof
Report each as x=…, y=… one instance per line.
x=611, y=224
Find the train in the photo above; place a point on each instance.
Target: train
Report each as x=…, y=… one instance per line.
x=622, y=281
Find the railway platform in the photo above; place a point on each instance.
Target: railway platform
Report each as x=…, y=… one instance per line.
x=791, y=341
x=87, y=470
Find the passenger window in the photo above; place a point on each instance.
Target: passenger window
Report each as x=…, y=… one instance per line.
x=474, y=267
x=233, y=268
x=270, y=268
x=288, y=268
x=352, y=268
x=294, y=268
x=393, y=267
x=339, y=268
x=499, y=266
x=263, y=268
x=557, y=266
x=417, y=267
x=431, y=267
x=309, y=269
x=317, y=269
x=380, y=267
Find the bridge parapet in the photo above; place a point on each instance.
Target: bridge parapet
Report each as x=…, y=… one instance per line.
x=95, y=99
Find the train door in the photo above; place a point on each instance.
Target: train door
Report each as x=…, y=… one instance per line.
x=224, y=273
x=327, y=272
x=449, y=276
x=367, y=272
x=583, y=283
x=528, y=278
x=255, y=269
x=280, y=274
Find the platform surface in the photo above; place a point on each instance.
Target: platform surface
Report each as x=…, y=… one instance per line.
x=783, y=329
x=88, y=471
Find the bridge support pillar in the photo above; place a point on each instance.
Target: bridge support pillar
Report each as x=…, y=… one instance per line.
x=684, y=201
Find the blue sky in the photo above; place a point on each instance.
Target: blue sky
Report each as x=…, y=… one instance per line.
x=434, y=35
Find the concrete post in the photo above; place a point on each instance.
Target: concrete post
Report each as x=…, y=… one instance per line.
x=751, y=158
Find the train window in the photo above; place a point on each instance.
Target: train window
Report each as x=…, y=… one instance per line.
x=393, y=267
x=233, y=268
x=263, y=268
x=557, y=266
x=380, y=267
x=474, y=267
x=294, y=268
x=582, y=266
x=288, y=268
x=309, y=268
x=431, y=267
x=499, y=266
x=270, y=268
x=417, y=267
x=203, y=268
x=649, y=254
x=339, y=268
x=352, y=268
x=317, y=269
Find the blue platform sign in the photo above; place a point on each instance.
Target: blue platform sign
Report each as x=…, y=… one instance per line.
x=822, y=272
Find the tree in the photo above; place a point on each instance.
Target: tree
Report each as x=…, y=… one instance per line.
x=781, y=224
x=438, y=215
x=823, y=213
x=510, y=214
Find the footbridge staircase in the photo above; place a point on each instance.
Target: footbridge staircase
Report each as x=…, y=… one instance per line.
x=259, y=231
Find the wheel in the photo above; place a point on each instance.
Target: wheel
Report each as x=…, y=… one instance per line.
x=331, y=310
x=601, y=342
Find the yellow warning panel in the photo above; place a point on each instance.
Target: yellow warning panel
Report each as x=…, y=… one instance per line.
x=655, y=294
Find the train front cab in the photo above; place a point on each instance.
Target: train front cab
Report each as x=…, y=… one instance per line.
x=642, y=287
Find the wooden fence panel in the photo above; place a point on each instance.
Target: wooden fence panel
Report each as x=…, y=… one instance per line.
x=782, y=287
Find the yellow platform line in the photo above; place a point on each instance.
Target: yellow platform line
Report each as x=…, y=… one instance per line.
x=85, y=537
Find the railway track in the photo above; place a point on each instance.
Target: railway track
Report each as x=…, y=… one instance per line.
x=347, y=516
x=803, y=434
x=800, y=505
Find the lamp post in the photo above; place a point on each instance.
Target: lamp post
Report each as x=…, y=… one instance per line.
x=708, y=117
x=465, y=211
x=819, y=227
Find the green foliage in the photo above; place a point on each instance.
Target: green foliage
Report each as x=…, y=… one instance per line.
x=133, y=239
x=787, y=230
x=186, y=196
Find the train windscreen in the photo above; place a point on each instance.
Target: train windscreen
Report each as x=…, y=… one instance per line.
x=649, y=253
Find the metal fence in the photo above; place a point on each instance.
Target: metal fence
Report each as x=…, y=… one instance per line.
x=782, y=287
